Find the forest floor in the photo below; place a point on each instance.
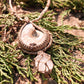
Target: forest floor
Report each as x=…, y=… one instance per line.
x=76, y=20
x=73, y=20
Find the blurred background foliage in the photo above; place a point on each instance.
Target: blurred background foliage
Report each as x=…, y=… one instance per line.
x=73, y=5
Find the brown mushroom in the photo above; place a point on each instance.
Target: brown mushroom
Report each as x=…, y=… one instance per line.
x=35, y=40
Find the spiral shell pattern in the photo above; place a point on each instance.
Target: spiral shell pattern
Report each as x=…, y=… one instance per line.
x=33, y=38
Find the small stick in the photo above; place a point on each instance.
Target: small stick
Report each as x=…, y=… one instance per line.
x=27, y=20
x=14, y=12
x=43, y=12
x=4, y=36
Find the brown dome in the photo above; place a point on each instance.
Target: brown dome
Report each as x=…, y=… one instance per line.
x=33, y=38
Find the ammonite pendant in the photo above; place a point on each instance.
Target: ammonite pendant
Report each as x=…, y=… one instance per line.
x=35, y=40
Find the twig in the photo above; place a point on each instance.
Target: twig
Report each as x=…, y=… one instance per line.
x=27, y=20
x=2, y=25
x=15, y=13
x=4, y=36
x=43, y=12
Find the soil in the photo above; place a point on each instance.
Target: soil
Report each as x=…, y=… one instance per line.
x=76, y=20
x=75, y=32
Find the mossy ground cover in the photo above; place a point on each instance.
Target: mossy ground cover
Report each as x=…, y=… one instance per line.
x=66, y=67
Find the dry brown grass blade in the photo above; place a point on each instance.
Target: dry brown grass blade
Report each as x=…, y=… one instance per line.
x=43, y=12
x=27, y=19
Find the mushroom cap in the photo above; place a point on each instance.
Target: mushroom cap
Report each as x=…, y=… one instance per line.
x=33, y=38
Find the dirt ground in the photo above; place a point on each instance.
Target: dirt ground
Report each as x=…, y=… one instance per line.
x=76, y=20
